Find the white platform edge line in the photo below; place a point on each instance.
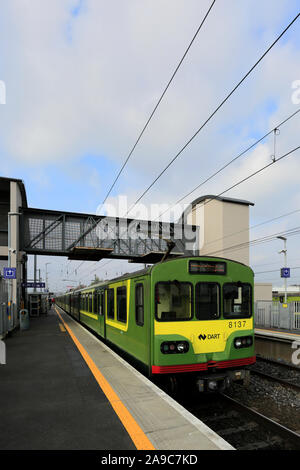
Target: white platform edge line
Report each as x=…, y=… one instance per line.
x=210, y=434
x=277, y=334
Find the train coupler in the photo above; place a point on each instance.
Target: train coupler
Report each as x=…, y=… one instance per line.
x=220, y=382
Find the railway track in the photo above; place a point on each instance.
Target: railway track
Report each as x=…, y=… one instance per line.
x=285, y=374
x=243, y=427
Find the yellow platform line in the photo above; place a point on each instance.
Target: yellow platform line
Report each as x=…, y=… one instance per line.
x=61, y=326
x=136, y=433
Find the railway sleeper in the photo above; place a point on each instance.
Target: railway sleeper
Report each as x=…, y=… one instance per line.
x=260, y=445
x=239, y=429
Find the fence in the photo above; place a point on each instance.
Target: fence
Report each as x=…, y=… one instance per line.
x=273, y=315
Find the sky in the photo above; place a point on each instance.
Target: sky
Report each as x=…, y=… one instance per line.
x=82, y=78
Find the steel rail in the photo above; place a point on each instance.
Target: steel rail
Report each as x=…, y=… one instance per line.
x=269, y=424
x=273, y=378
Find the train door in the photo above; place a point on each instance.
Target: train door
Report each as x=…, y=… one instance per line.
x=142, y=319
x=78, y=306
x=101, y=311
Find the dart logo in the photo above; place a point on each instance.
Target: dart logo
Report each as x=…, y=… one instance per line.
x=215, y=336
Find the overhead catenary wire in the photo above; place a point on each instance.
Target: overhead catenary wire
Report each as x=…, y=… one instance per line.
x=272, y=264
x=213, y=113
x=253, y=226
x=257, y=241
x=159, y=101
x=272, y=45
x=251, y=243
x=276, y=270
x=267, y=238
x=290, y=232
x=230, y=162
x=273, y=162
x=252, y=175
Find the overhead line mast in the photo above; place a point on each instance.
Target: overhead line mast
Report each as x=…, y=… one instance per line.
x=230, y=162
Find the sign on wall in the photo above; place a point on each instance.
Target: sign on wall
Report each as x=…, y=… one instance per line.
x=9, y=273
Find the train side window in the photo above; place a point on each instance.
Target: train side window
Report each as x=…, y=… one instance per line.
x=90, y=302
x=122, y=304
x=207, y=300
x=139, y=304
x=111, y=303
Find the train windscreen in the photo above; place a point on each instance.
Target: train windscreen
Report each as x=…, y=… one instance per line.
x=173, y=301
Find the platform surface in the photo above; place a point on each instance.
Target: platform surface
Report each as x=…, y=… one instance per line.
x=292, y=335
x=62, y=388
x=49, y=398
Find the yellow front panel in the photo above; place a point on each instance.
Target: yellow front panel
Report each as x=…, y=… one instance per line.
x=214, y=333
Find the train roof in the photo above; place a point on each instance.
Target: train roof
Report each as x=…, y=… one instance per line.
x=147, y=270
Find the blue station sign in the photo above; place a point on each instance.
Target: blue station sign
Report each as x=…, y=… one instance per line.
x=9, y=273
x=285, y=272
x=34, y=285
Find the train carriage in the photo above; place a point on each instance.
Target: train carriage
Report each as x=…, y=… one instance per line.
x=184, y=317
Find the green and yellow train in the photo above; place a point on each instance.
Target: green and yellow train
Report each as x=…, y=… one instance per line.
x=187, y=317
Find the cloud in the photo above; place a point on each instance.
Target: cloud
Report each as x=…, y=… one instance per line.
x=79, y=96
x=82, y=77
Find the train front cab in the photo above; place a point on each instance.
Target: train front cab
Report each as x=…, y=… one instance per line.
x=203, y=321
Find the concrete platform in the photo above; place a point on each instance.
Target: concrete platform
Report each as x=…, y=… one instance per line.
x=276, y=344
x=62, y=388
x=290, y=335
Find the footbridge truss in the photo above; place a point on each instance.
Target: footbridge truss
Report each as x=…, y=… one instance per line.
x=93, y=237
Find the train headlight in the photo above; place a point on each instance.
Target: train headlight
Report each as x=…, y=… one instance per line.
x=244, y=342
x=181, y=347
x=174, y=347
